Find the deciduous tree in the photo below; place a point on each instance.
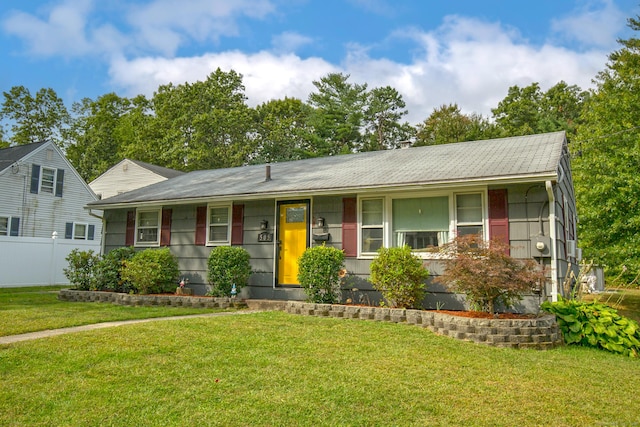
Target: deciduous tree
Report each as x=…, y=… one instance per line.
x=606, y=164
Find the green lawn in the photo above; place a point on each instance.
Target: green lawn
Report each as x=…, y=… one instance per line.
x=276, y=369
x=33, y=309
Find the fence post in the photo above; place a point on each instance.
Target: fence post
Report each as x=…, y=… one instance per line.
x=52, y=272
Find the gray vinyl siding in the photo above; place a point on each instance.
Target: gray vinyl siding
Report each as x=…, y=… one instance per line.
x=43, y=213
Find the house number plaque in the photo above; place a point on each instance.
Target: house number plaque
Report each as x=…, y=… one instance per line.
x=265, y=237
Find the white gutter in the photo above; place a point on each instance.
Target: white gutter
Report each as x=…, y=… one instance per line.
x=553, y=244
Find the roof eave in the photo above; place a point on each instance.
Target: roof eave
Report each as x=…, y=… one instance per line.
x=499, y=180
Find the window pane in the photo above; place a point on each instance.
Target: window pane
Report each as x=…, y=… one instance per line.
x=148, y=219
x=80, y=231
x=147, y=235
x=4, y=226
x=218, y=233
x=295, y=215
x=372, y=212
x=421, y=214
x=219, y=216
x=48, y=179
x=469, y=207
x=469, y=229
x=371, y=239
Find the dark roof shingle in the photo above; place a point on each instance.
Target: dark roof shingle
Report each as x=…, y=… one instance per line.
x=486, y=160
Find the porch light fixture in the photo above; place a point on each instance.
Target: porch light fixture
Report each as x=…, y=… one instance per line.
x=319, y=221
x=264, y=224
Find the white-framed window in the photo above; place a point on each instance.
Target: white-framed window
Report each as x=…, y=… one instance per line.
x=469, y=214
x=419, y=220
x=80, y=231
x=148, y=227
x=47, y=180
x=218, y=224
x=372, y=224
x=4, y=225
x=9, y=226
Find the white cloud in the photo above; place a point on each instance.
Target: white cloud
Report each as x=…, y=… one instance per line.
x=164, y=25
x=62, y=32
x=289, y=42
x=595, y=24
x=465, y=61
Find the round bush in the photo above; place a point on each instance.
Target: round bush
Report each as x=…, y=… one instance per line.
x=151, y=271
x=81, y=269
x=399, y=276
x=228, y=265
x=109, y=270
x=319, y=273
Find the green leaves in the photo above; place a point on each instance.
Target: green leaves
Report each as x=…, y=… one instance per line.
x=595, y=325
x=228, y=265
x=399, y=276
x=319, y=271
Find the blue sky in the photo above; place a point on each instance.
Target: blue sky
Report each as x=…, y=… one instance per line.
x=434, y=52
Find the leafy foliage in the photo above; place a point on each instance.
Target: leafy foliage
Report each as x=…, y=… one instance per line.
x=38, y=118
x=228, y=265
x=399, y=276
x=486, y=274
x=151, y=271
x=108, y=270
x=81, y=269
x=606, y=165
x=319, y=273
x=592, y=324
x=447, y=124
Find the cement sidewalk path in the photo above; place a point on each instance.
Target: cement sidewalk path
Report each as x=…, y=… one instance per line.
x=10, y=339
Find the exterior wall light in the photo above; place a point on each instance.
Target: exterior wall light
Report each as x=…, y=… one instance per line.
x=319, y=221
x=264, y=224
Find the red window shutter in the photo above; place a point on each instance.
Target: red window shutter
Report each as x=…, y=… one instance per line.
x=201, y=225
x=498, y=215
x=165, y=229
x=130, y=236
x=350, y=226
x=237, y=223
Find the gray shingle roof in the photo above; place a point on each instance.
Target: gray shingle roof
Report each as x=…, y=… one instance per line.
x=9, y=156
x=158, y=170
x=531, y=157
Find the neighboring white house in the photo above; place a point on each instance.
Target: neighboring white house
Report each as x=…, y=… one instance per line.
x=129, y=175
x=41, y=194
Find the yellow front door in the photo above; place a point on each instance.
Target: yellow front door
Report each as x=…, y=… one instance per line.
x=292, y=240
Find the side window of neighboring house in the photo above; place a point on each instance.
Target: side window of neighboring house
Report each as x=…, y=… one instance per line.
x=9, y=226
x=79, y=231
x=47, y=180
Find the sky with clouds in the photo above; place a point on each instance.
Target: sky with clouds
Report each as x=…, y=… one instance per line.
x=433, y=52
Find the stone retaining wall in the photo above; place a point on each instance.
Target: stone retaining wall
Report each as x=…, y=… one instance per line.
x=149, y=300
x=537, y=333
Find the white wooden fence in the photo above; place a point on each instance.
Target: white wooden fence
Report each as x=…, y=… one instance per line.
x=28, y=261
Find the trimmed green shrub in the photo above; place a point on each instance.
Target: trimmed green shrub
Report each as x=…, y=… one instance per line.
x=81, y=270
x=399, y=276
x=486, y=274
x=151, y=271
x=228, y=265
x=592, y=324
x=108, y=270
x=319, y=273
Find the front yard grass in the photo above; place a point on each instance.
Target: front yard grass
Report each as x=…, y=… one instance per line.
x=278, y=369
x=33, y=309
x=625, y=300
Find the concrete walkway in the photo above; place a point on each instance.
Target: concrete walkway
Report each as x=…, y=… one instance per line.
x=10, y=339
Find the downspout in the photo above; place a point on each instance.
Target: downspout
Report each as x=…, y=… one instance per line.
x=552, y=245
x=102, y=231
